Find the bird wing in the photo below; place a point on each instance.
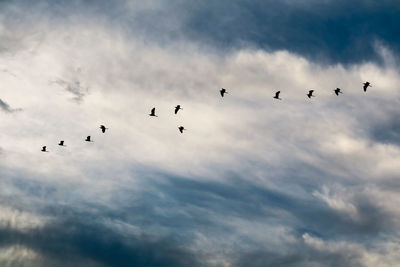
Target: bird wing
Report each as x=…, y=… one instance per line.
x=311, y=91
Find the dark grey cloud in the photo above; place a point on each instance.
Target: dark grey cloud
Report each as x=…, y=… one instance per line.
x=4, y=106
x=83, y=243
x=85, y=233
x=387, y=130
x=325, y=31
x=75, y=88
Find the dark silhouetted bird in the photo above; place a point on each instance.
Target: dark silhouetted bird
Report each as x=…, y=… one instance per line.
x=366, y=84
x=61, y=143
x=310, y=94
x=44, y=149
x=103, y=128
x=277, y=95
x=88, y=139
x=337, y=91
x=153, y=112
x=181, y=129
x=177, y=108
x=223, y=92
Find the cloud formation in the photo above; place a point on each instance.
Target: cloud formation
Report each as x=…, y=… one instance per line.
x=4, y=106
x=253, y=182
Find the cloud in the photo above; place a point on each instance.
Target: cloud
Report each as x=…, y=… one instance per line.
x=253, y=181
x=6, y=107
x=84, y=244
x=74, y=88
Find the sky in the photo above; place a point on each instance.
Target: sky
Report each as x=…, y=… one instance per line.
x=252, y=182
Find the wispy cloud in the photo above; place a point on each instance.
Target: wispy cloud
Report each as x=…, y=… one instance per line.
x=4, y=106
x=253, y=181
x=74, y=88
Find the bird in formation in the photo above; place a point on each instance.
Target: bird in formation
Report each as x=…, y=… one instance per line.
x=103, y=128
x=153, y=112
x=177, y=108
x=181, y=129
x=223, y=92
x=366, y=84
x=277, y=95
x=337, y=91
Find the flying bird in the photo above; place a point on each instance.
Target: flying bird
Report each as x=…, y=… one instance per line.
x=366, y=84
x=223, y=92
x=310, y=94
x=153, y=112
x=177, y=108
x=181, y=129
x=44, y=149
x=88, y=139
x=103, y=128
x=61, y=143
x=337, y=91
x=277, y=95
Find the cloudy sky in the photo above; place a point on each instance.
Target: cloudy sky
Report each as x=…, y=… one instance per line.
x=252, y=182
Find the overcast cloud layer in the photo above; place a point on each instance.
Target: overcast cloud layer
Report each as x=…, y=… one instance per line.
x=252, y=182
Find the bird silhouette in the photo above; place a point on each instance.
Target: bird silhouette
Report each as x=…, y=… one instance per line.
x=337, y=91
x=61, y=143
x=181, y=129
x=103, y=128
x=223, y=92
x=366, y=84
x=277, y=95
x=177, y=108
x=88, y=139
x=310, y=94
x=44, y=149
x=153, y=112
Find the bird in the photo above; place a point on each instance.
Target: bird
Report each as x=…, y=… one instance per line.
x=337, y=91
x=61, y=143
x=181, y=129
x=88, y=139
x=223, y=92
x=277, y=95
x=310, y=94
x=153, y=112
x=366, y=84
x=177, y=108
x=44, y=149
x=103, y=128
